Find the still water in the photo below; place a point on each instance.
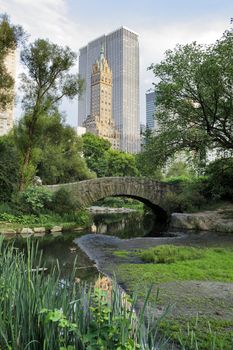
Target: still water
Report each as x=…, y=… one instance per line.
x=62, y=249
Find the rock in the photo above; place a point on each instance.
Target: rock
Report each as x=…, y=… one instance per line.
x=205, y=221
x=26, y=231
x=93, y=228
x=39, y=229
x=56, y=229
x=8, y=233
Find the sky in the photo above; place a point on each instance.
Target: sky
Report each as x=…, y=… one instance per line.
x=161, y=24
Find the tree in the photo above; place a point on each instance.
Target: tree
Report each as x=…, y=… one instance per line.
x=95, y=152
x=47, y=81
x=121, y=164
x=105, y=161
x=57, y=151
x=10, y=37
x=9, y=168
x=194, y=99
x=61, y=158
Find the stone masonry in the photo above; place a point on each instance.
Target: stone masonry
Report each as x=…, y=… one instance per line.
x=147, y=191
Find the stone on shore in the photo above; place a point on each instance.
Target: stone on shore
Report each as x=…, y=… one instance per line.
x=56, y=229
x=8, y=233
x=39, y=229
x=26, y=231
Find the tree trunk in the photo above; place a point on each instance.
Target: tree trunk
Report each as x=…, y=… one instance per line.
x=24, y=167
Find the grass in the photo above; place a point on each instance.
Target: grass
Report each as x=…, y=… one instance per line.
x=199, y=333
x=167, y=254
x=67, y=221
x=203, y=264
x=169, y=263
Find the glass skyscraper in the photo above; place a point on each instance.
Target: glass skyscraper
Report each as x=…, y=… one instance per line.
x=150, y=110
x=121, y=49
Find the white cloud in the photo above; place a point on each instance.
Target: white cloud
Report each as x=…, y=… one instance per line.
x=50, y=19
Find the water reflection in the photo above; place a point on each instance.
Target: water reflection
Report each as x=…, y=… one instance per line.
x=124, y=225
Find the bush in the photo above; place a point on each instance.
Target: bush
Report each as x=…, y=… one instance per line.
x=34, y=200
x=191, y=197
x=168, y=254
x=62, y=202
x=220, y=179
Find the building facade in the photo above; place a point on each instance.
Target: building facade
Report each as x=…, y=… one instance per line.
x=7, y=116
x=151, y=122
x=100, y=122
x=121, y=49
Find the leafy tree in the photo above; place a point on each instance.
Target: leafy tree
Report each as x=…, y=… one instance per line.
x=46, y=82
x=56, y=156
x=9, y=168
x=121, y=164
x=105, y=161
x=95, y=152
x=220, y=179
x=10, y=37
x=60, y=158
x=179, y=168
x=194, y=97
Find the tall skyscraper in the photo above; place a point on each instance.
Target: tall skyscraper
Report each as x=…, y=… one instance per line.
x=100, y=122
x=150, y=109
x=121, y=48
x=7, y=116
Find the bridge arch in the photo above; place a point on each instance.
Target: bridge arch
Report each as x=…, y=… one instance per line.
x=150, y=192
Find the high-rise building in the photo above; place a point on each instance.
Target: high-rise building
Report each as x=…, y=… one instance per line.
x=7, y=116
x=121, y=49
x=100, y=122
x=150, y=110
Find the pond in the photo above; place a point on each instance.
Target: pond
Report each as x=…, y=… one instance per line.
x=62, y=249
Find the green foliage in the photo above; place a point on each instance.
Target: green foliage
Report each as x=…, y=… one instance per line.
x=35, y=200
x=10, y=38
x=194, y=101
x=60, y=152
x=94, y=151
x=199, y=333
x=121, y=164
x=191, y=195
x=212, y=265
x=146, y=164
x=178, y=169
x=168, y=254
x=62, y=202
x=51, y=312
x=220, y=179
x=46, y=81
x=105, y=161
x=9, y=168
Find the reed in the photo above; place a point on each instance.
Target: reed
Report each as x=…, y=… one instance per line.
x=40, y=311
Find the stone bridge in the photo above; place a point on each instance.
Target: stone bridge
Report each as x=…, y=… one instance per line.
x=149, y=192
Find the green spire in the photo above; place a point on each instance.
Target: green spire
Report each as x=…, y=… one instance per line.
x=102, y=53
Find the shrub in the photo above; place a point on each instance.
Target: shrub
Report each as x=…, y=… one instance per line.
x=62, y=202
x=220, y=179
x=191, y=197
x=167, y=254
x=34, y=200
